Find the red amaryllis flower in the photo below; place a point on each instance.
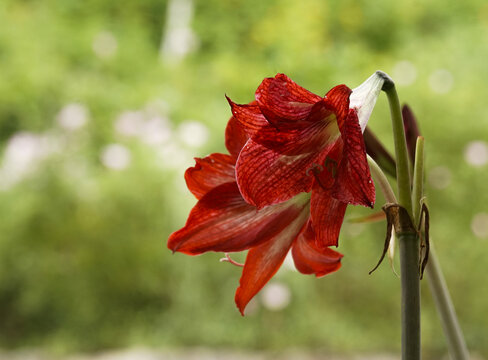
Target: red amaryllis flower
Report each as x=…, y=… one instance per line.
x=223, y=221
x=301, y=142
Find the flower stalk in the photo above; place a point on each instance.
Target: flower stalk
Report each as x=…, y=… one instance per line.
x=410, y=282
x=381, y=180
x=435, y=278
x=401, y=154
x=440, y=293
x=408, y=239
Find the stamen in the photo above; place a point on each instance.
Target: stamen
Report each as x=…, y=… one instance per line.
x=316, y=168
x=317, y=178
x=228, y=259
x=331, y=165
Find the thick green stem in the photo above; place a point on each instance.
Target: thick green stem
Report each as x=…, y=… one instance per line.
x=409, y=241
x=455, y=340
x=409, y=267
x=409, y=250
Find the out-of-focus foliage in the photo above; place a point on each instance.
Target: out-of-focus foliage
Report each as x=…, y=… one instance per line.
x=86, y=205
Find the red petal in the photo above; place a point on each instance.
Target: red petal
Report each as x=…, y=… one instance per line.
x=310, y=259
x=263, y=261
x=353, y=182
x=266, y=177
x=248, y=115
x=209, y=173
x=282, y=100
x=235, y=136
x=292, y=138
x=327, y=215
x=223, y=221
x=338, y=101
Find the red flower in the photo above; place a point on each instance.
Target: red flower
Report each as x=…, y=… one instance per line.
x=223, y=221
x=301, y=142
x=300, y=161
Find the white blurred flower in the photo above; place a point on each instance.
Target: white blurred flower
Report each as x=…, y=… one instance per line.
x=173, y=156
x=479, y=225
x=115, y=157
x=275, y=296
x=155, y=131
x=404, y=73
x=181, y=42
x=104, y=45
x=23, y=153
x=193, y=134
x=441, y=81
x=72, y=116
x=439, y=177
x=476, y=153
x=179, y=38
x=130, y=123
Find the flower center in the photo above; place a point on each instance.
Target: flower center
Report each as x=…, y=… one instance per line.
x=317, y=170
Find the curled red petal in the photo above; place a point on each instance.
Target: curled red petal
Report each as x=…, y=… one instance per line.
x=266, y=177
x=327, y=215
x=249, y=116
x=282, y=100
x=263, y=261
x=235, y=137
x=297, y=138
x=310, y=259
x=223, y=221
x=353, y=183
x=210, y=172
x=338, y=101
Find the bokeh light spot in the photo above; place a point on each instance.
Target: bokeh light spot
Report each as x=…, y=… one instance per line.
x=115, y=157
x=193, y=133
x=476, y=153
x=439, y=177
x=130, y=123
x=104, y=45
x=72, y=116
x=441, y=81
x=22, y=156
x=275, y=296
x=479, y=225
x=174, y=157
x=156, y=131
x=404, y=73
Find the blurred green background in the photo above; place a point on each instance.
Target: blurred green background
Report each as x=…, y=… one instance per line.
x=104, y=103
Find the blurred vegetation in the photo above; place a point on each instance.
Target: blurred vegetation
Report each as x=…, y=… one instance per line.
x=83, y=260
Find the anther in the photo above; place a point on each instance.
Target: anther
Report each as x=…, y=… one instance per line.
x=316, y=168
x=331, y=166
